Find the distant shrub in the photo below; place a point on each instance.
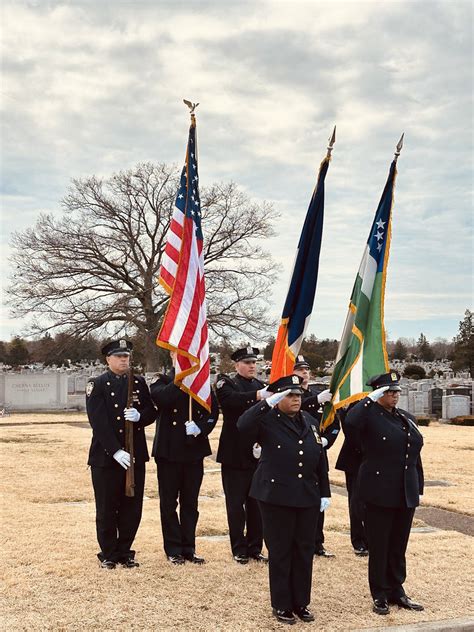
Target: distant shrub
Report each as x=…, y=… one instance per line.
x=423, y=421
x=414, y=372
x=467, y=420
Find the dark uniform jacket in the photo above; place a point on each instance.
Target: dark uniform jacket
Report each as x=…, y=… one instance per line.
x=292, y=470
x=235, y=396
x=350, y=456
x=106, y=398
x=311, y=405
x=171, y=441
x=391, y=473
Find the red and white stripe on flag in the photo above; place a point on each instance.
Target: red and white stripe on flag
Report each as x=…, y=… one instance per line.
x=184, y=327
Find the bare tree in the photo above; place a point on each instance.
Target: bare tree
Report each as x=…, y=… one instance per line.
x=95, y=268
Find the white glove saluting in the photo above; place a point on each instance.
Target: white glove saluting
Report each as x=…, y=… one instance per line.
x=256, y=451
x=192, y=428
x=377, y=394
x=277, y=397
x=122, y=458
x=325, y=396
x=131, y=414
x=325, y=502
x=264, y=393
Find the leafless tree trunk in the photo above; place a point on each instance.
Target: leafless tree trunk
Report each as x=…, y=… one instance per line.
x=95, y=268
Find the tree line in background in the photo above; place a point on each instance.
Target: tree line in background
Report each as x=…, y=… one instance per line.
x=64, y=349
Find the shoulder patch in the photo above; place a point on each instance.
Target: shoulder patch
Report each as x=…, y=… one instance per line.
x=220, y=383
x=89, y=388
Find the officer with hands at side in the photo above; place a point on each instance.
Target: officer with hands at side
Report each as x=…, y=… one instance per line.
x=235, y=395
x=179, y=448
x=117, y=515
x=390, y=483
x=312, y=402
x=291, y=485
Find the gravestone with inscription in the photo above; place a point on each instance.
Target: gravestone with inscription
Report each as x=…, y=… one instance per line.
x=455, y=406
x=435, y=401
x=34, y=391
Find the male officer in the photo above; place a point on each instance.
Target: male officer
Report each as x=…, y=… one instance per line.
x=117, y=516
x=349, y=460
x=179, y=449
x=291, y=485
x=236, y=395
x=312, y=402
x=390, y=482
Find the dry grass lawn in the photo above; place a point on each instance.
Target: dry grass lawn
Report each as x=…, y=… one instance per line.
x=51, y=579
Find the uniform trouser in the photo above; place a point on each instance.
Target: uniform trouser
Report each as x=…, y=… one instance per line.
x=179, y=481
x=117, y=516
x=289, y=535
x=242, y=511
x=388, y=530
x=356, y=512
x=319, y=541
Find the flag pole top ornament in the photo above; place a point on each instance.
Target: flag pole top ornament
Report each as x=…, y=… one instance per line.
x=331, y=140
x=399, y=146
x=192, y=106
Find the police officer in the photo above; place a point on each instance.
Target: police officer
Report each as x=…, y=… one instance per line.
x=235, y=395
x=312, y=402
x=117, y=516
x=291, y=485
x=390, y=483
x=179, y=448
x=349, y=460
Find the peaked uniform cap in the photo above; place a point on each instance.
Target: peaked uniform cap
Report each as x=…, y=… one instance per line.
x=301, y=363
x=292, y=382
x=247, y=353
x=385, y=379
x=117, y=346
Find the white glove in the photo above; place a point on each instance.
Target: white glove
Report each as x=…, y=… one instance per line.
x=324, y=441
x=277, y=397
x=192, y=428
x=256, y=450
x=325, y=396
x=264, y=393
x=325, y=502
x=421, y=498
x=131, y=414
x=122, y=458
x=377, y=394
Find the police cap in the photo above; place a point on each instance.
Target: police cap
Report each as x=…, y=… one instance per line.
x=114, y=347
x=291, y=382
x=247, y=353
x=301, y=363
x=385, y=379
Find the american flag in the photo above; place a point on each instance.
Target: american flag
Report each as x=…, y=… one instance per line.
x=184, y=327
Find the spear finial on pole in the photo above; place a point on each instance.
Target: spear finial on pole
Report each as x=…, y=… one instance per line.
x=399, y=147
x=191, y=106
x=331, y=140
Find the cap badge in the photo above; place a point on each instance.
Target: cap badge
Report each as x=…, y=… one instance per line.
x=123, y=344
x=250, y=350
x=393, y=377
x=295, y=379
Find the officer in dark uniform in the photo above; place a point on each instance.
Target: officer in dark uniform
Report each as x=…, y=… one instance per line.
x=235, y=395
x=312, y=402
x=291, y=485
x=349, y=460
x=390, y=483
x=179, y=448
x=117, y=516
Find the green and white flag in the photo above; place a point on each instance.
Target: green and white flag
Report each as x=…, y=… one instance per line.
x=362, y=352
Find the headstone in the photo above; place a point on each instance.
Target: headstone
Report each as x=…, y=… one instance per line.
x=403, y=401
x=34, y=391
x=416, y=403
x=435, y=402
x=455, y=406
x=81, y=382
x=71, y=384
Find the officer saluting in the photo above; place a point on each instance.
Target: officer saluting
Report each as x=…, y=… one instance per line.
x=390, y=483
x=291, y=485
x=117, y=516
x=235, y=396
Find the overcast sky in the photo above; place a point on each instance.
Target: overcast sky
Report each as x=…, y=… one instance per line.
x=96, y=87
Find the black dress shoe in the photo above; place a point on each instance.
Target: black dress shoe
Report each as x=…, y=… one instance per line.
x=380, y=606
x=176, y=559
x=241, y=559
x=323, y=553
x=108, y=564
x=304, y=614
x=284, y=616
x=259, y=558
x=406, y=602
x=361, y=551
x=129, y=563
x=194, y=559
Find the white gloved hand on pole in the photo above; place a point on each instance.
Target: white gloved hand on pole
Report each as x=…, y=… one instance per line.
x=192, y=428
x=378, y=393
x=277, y=397
x=131, y=414
x=256, y=451
x=122, y=458
x=324, y=396
x=325, y=502
x=324, y=441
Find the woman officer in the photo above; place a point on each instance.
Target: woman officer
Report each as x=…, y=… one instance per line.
x=291, y=485
x=390, y=482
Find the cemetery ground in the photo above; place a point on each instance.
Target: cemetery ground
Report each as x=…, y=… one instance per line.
x=52, y=581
